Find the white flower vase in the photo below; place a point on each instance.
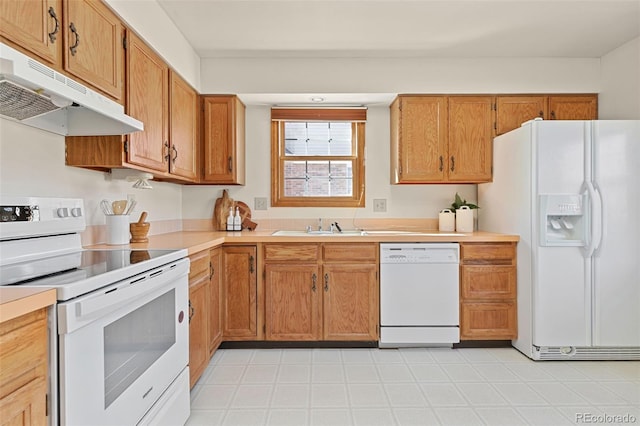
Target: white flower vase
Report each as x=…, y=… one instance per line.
x=446, y=221
x=464, y=219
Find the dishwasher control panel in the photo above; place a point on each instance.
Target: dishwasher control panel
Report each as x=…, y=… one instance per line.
x=419, y=253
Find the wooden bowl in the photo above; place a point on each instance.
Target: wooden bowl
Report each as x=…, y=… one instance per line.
x=139, y=232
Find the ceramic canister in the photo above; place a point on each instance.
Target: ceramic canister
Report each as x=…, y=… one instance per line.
x=446, y=221
x=464, y=219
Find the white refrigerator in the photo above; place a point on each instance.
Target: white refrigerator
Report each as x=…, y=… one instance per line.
x=571, y=190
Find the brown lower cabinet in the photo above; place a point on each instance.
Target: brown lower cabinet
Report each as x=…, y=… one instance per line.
x=240, y=293
x=321, y=292
x=198, y=315
x=23, y=372
x=488, y=308
x=205, y=320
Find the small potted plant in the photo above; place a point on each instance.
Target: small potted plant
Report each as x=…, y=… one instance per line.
x=464, y=214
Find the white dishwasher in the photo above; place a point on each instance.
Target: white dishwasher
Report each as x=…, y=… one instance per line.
x=419, y=294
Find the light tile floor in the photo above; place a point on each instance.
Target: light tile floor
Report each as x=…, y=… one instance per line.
x=497, y=386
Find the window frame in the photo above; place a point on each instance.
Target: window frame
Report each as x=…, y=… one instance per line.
x=357, y=119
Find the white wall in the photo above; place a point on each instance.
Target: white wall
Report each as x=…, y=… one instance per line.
x=620, y=95
x=32, y=164
x=150, y=22
x=400, y=75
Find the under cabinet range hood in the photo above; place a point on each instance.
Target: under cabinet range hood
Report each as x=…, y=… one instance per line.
x=38, y=96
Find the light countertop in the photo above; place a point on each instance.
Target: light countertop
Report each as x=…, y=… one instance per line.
x=17, y=301
x=195, y=241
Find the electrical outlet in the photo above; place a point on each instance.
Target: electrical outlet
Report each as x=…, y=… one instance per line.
x=380, y=205
x=260, y=203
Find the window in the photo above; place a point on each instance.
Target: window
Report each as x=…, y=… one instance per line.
x=317, y=157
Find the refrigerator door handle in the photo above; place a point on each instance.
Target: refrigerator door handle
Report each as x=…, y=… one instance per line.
x=595, y=202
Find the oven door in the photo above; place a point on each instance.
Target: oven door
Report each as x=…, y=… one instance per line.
x=121, y=347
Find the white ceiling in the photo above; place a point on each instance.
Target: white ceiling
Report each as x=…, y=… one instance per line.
x=397, y=28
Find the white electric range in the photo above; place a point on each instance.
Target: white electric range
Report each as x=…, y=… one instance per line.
x=119, y=332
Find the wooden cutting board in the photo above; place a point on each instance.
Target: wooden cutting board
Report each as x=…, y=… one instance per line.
x=221, y=211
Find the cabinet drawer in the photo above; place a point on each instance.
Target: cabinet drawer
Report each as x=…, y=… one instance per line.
x=23, y=350
x=488, y=282
x=338, y=252
x=199, y=264
x=482, y=253
x=291, y=252
x=488, y=321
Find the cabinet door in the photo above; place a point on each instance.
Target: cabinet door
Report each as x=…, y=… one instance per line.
x=198, y=335
x=350, y=306
x=183, y=127
x=148, y=101
x=215, y=292
x=26, y=405
x=583, y=107
x=488, y=282
x=292, y=302
x=239, y=294
x=512, y=111
x=488, y=321
x=223, y=140
x=93, y=45
x=471, y=121
x=419, y=139
x=35, y=26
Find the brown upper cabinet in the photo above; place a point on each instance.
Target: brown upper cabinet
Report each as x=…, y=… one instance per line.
x=439, y=139
x=223, y=144
x=167, y=106
x=513, y=110
x=80, y=38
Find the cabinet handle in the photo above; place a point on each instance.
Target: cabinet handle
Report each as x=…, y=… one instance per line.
x=52, y=34
x=453, y=163
x=314, y=278
x=165, y=155
x=73, y=48
x=211, y=270
x=541, y=114
x=251, y=264
x=441, y=163
x=326, y=282
x=175, y=154
x=230, y=164
x=192, y=311
x=553, y=115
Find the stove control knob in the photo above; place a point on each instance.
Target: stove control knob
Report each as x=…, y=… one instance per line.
x=63, y=212
x=76, y=212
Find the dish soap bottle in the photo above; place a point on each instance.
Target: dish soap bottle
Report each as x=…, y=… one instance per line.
x=230, y=220
x=237, y=221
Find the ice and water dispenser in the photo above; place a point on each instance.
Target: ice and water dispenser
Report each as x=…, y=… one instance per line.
x=563, y=220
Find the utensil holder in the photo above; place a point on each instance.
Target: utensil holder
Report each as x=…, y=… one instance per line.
x=464, y=219
x=446, y=221
x=117, y=229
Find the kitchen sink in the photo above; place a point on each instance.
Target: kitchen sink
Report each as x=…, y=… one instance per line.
x=352, y=233
x=285, y=233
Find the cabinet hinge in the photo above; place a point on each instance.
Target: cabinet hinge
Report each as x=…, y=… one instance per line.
x=124, y=42
x=126, y=147
x=495, y=126
x=264, y=328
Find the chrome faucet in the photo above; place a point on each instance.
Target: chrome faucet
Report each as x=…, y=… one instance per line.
x=320, y=224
